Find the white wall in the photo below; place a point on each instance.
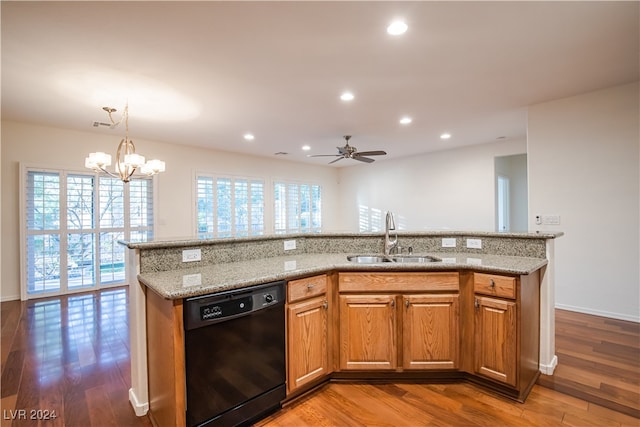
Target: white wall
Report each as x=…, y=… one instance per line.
x=583, y=155
x=452, y=189
x=61, y=148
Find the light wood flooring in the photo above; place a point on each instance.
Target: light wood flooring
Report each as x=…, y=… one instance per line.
x=71, y=355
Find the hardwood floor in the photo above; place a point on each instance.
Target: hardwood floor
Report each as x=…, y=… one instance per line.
x=65, y=361
x=71, y=355
x=598, y=360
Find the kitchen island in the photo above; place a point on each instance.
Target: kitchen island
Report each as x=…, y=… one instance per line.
x=158, y=273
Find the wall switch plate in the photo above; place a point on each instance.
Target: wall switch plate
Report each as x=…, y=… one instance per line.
x=449, y=242
x=191, y=255
x=474, y=243
x=551, y=219
x=289, y=245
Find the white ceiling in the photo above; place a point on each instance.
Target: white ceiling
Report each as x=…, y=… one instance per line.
x=205, y=73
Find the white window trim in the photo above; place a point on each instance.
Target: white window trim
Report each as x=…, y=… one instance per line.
x=275, y=181
x=25, y=168
x=215, y=175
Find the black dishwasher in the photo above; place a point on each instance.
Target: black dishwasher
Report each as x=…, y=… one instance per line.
x=235, y=355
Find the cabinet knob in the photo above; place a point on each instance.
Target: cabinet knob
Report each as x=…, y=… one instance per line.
x=407, y=303
x=393, y=303
x=310, y=286
x=492, y=283
x=325, y=305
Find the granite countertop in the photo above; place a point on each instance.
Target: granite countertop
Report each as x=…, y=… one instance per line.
x=188, y=282
x=191, y=241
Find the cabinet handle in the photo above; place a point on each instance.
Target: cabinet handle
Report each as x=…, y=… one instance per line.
x=393, y=303
x=477, y=304
x=492, y=283
x=407, y=303
x=325, y=305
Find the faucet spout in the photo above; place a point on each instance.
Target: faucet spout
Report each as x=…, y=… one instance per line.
x=390, y=224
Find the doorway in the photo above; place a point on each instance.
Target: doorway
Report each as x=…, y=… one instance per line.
x=511, y=193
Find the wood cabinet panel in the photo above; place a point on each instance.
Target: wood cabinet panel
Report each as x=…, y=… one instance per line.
x=430, y=331
x=307, y=352
x=398, y=282
x=367, y=332
x=494, y=285
x=306, y=288
x=496, y=345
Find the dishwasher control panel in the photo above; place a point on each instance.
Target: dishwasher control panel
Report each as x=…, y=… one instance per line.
x=204, y=310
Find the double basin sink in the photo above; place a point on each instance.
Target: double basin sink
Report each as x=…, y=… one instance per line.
x=375, y=259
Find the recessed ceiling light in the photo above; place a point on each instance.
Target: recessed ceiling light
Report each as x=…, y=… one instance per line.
x=396, y=28
x=249, y=137
x=306, y=148
x=347, y=96
x=405, y=120
x=445, y=136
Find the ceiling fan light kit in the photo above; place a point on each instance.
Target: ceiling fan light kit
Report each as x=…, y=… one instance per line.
x=351, y=152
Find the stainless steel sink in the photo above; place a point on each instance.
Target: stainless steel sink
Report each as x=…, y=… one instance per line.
x=413, y=258
x=374, y=259
x=367, y=259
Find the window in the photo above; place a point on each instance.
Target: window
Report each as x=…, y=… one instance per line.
x=298, y=207
x=229, y=207
x=73, y=222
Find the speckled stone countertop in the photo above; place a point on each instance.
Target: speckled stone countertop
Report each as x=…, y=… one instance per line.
x=202, y=280
x=194, y=241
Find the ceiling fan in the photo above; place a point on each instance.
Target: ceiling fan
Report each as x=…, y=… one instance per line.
x=351, y=152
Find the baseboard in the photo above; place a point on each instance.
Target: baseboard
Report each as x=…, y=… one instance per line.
x=140, y=409
x=549, y=368
x=618, y=316
x=9, y=298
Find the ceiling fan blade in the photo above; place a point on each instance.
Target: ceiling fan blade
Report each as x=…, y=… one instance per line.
x=339, y=158
x=363, y=159
x=372, y=153
x=324, y=155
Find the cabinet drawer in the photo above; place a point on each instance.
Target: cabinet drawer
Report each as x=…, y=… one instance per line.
x=491, y=284
x=398, y=282
x=306, y=288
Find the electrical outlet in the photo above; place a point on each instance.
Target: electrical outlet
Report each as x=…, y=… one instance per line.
x=289, y=245
x=191, y=255
x=449, y=242
x=474, y=243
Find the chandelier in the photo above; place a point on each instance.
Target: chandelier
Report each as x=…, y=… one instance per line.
x=127, y=161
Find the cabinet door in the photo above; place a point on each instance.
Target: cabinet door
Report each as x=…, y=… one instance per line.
x=368, y=332
x=430, y=332
x=495, y=333
x=307, y=339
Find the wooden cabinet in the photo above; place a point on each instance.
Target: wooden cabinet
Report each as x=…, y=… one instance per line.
x=394, y=330
x=307, y=331
x=430, y=331
x=495, y=348
x=506, y=329
x=368, y=332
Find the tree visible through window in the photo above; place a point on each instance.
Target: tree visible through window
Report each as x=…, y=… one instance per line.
x=229, y=207
x=298, y=207
x=73, y=224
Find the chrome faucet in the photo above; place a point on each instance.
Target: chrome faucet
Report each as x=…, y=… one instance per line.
x=389, y=244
